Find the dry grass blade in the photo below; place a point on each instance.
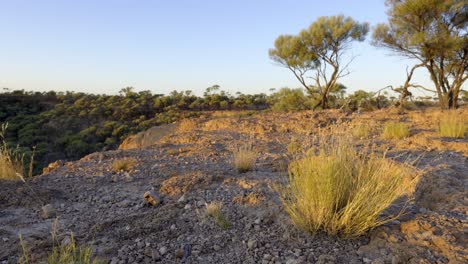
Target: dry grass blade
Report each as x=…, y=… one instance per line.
x=341, y=192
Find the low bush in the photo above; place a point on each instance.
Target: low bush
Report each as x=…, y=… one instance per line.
x=341, y=192
x=451, y=125
x=395, y=130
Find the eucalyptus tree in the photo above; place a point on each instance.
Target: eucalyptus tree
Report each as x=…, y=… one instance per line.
x=316, y=53
x=434, y=33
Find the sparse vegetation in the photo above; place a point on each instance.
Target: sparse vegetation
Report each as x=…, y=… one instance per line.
x=214, y=210
x=186, y=125
x=125, y=164
x=69, y=253
x=11, y=161
x=395, y=130
x=451, y=125
x=244, y=158
x=361, y=131
x=340, y=191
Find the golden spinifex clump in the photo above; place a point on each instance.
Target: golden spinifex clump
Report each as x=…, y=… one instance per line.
x=452, y=125
x=244, y=158
x=395, y=130
x=340, y=191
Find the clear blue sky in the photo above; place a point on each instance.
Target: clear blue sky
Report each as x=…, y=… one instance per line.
x=102, y=46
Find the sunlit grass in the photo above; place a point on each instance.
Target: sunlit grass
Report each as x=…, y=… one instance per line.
x=395, y=130
x=340, y=191
x=452, y=125
x=244, y=158
x=214, y=210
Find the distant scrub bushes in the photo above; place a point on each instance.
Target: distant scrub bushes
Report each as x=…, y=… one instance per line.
x=70, y=125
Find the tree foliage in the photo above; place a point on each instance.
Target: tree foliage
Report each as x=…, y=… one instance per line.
x=434, y=32
x=319, y=50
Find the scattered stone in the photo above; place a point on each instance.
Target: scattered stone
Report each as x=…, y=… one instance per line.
x=163, y=251
x=179, y=253
x=187, y=207
x=251, y=244
x=326, y=259
x=48, y=211
x=152, y=198
x=216, y=248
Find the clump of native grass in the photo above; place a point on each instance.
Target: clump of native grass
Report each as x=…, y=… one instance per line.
x=361, y=131
x=11, y=159
x=187, y=125
x=395, y=130
x=214, y=210
x=337, y=190
x=451, y=125
x=66, y=253
x=244, y=158
x=126, y=164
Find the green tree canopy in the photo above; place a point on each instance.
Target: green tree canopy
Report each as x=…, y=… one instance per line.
x=319, y=49
x=434, y=32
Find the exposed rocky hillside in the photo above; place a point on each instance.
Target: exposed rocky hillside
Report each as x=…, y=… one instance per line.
x=190, y=165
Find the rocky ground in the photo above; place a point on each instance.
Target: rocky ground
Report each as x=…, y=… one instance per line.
x=190, y=165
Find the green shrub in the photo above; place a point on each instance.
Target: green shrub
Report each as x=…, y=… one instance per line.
x=289, y=100
x=451, y=125
x=395, y=130
x=340, y=191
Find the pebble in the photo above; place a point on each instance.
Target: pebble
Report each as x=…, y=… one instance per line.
x=187, y=206
x=163, y=250
x=251, y=244
x=216, y=247
x=48, y=211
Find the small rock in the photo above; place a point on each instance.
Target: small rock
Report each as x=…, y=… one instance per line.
x=367, y=260
x=216, y=247
x=267, y=256
x=163, y=250
x=251, y=244
x=182, y=199
x=114, y=260
x=187, y=207
x=179, y=253
x=200, y=203
x=66, y=241
x=173, y=227
x=48, y=211
x=152, y=198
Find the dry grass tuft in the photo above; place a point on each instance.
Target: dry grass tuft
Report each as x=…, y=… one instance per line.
x=11, y=162
x=126, y=164
x=451, y=125
x=395, y=130
x=244, y=158
x=67, y=253
x=214, y=210
x=361, y=131
x=340, y=191
x=187, y=125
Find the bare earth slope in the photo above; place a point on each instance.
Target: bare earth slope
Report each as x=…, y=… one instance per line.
x=192, y=166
